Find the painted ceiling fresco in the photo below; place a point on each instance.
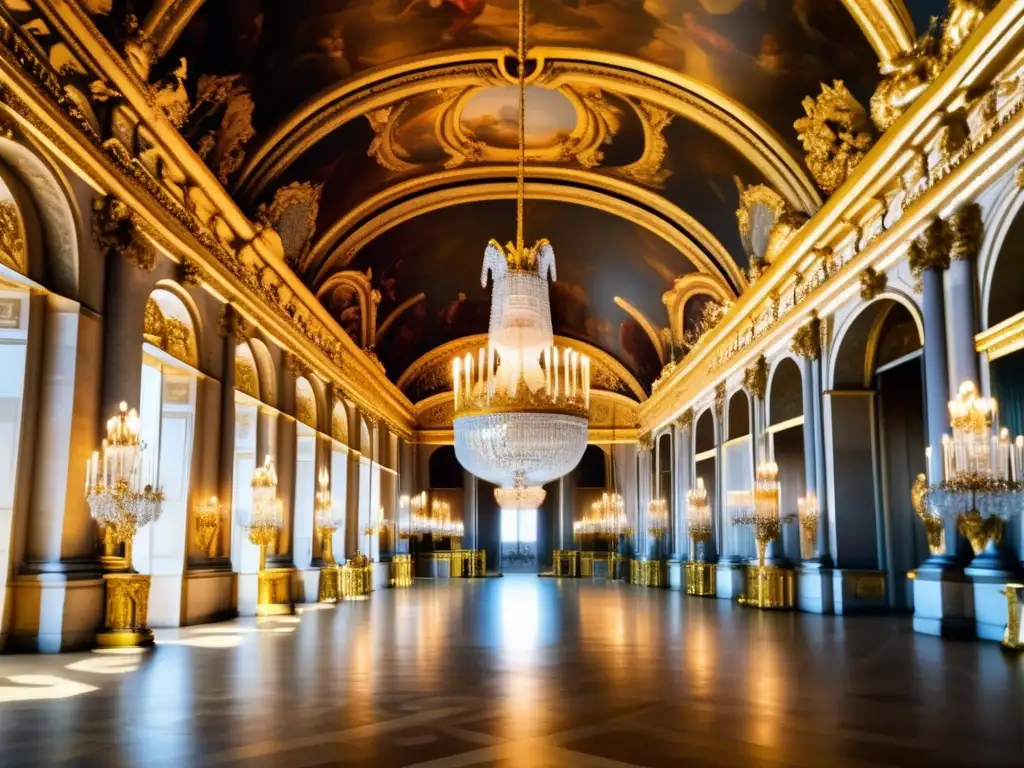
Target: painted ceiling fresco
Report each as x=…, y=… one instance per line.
x=599, y=257
x=767, y=54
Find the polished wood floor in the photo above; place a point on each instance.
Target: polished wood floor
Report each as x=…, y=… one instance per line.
x=519, y=672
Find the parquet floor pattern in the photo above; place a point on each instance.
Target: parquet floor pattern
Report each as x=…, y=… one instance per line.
x=523, y=672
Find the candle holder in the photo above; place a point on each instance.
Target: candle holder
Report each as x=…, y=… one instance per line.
x=768, y=586
x=326, y=521
x=263, y=528
x=982, y=470
x=934, y=529
x=122, y=502
x=208, y=517
x=700, y=575
x=808, y=516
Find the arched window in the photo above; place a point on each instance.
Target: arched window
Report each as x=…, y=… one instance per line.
x=167, y=411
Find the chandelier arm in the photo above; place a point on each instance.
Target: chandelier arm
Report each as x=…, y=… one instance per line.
x=521, y=171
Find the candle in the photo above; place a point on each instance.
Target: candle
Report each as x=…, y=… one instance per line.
x=456, y=367
x=555, y=370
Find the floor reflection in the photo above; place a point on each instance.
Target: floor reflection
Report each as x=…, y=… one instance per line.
x=524, y=672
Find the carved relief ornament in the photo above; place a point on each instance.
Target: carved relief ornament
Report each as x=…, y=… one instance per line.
x=755, y=377
x=806, y=340
x=834, y=133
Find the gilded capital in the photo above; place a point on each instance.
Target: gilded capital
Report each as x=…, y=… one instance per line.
x=114, y=230
x=720, y=400
x=685, y=419
x=191, y=273
x=930, y=249
x=806, y=342
x=755, y=378
x=645, y=442
x=872, y=283
x=966, y=232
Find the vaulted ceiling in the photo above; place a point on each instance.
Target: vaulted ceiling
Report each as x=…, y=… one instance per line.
x=378, y=136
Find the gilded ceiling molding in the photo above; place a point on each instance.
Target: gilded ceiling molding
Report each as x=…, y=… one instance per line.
x=684, y=289
x=400, y=202
x=166, y=21
x=366, y=295
x=886, y=24
x=854, y=231
x=643, y=82
x=433, y=368
x=652, y=333
x=139, y=158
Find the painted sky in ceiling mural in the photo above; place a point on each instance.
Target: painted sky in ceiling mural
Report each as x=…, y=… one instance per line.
x=767, y=54
x=599, y=257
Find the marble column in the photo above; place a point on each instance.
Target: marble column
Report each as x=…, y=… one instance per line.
x=943, y=599
x=645, y=469
x=58, y=588
x=682, y=475
x=470, y=509
x=352, y=543
x=814, y=578
x=624, y=460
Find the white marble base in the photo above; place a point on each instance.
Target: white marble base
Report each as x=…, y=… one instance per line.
x=676, y=574
x=305, y=585
x=814, y=590
x=165, y=600
x=381, y=575
x=248, y=593
x=943, y=605
x=990, y=611
x=730, y=580
x=859, y=591
x=53, y=613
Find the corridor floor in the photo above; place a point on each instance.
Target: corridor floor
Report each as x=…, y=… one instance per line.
x=519, y=672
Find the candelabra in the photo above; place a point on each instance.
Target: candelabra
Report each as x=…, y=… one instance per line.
x=700, y=575
x=982, y=467
x=764, y=515
x=122, y=502
x=657, y=518
x=934, y=530
x=265, y=517
x=119, y=499
x=808, y=515
x=208, y=520
x=325, y=517
x=698, y=515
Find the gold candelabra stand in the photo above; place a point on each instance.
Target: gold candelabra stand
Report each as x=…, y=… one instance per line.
x=122, y=502
x=934, y=529
x=263, y=528
x=208, y=521
x=700, y=575
x=808, y=516
x=768, y=586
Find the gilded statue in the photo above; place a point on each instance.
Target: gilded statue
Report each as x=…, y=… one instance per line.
x=907, y=76
x=834, y=134
x=170, y=96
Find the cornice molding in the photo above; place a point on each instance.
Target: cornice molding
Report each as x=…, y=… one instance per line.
x=183, y=208
x=875, y=213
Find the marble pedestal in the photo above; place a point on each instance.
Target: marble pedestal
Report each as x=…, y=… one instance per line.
x=814, y=589
x=859, y=591
x=943, y=602
x=381, y=575
x=730, y=579
x=676, y=574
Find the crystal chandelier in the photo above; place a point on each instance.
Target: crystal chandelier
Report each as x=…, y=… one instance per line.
x=698, y=513
x=432, y=520
x=764, y=504
x=266, y=516
x=657, y=518
x=120, y=500
x=981, y=469
x=521, y=405
x=607, y=518
x=520, y=497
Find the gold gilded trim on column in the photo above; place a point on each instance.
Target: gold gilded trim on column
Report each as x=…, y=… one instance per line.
x=987, y=61
x=886, y=24
x=346, y=250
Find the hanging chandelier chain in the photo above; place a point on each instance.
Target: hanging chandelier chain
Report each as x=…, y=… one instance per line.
x=521, y=171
